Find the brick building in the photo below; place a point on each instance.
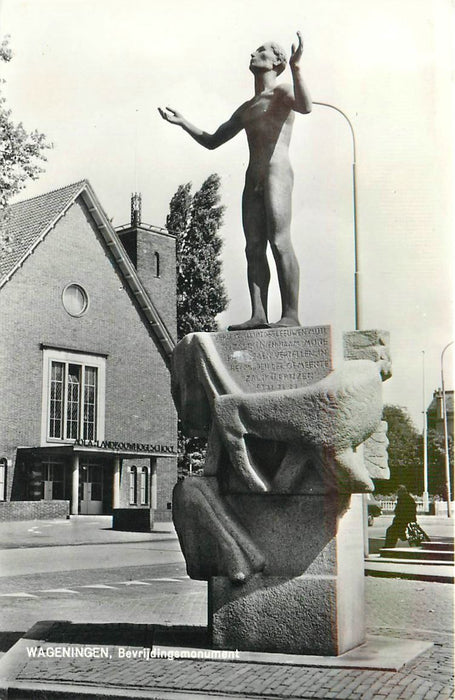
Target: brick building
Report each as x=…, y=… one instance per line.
x=88, y=322
x=435, y=412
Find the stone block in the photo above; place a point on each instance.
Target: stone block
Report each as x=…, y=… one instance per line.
x=371, y=345
x=375, y=453
x=132, y=519
x=267, y=360
x=317, y=609
x=276, y=522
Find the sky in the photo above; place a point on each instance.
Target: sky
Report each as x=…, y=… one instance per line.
x=91, y=74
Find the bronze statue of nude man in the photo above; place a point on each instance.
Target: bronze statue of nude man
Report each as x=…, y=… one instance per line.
x=266, y=205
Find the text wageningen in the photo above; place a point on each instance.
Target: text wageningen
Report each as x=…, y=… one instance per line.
x=104, y=652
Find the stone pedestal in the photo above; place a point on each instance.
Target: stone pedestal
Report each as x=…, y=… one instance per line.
x=275, y=525
x=310, y=597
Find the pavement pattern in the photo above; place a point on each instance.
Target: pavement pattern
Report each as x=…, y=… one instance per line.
x=395, y=608
x=404, y=609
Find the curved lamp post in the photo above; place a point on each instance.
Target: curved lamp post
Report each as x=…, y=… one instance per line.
x=446, y=440
x=425, y=495
x=354, y=199
x=357, y=315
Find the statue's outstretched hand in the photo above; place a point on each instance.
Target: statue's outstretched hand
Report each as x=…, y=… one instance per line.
x=171, y=115
x=296, y=53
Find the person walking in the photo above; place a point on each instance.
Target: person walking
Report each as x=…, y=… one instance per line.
x=405, y=512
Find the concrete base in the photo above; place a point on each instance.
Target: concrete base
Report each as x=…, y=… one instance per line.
x=316, y=609
x=377, y=653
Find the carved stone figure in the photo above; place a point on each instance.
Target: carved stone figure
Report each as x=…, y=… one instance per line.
x=330, y=418
x=267, y=119
x=274, y=524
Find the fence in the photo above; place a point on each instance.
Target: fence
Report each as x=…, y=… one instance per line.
x=388, y=505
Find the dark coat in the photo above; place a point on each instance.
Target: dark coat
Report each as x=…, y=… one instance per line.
x=405, y=510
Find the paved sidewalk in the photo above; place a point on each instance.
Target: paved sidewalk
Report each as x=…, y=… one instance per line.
x=406, y=610
x=396, y=609
x=97, y=529
x=79, y=529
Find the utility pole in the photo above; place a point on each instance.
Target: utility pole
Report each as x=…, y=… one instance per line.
x=425, y=444
x=446, y=439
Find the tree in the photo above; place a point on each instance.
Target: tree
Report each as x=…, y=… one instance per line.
x=196, y=220
x=405, y=456
x=20, y=153
x=437, y=463
x=201, y=295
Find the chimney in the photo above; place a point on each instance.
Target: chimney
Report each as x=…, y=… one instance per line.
x=136, y=209
x=151, y=249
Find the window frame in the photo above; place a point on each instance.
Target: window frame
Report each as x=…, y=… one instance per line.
x=3, y=477
x=157, y=260
x=85, y=297
x=84, y=360
x=132, y=485
x=143, y=487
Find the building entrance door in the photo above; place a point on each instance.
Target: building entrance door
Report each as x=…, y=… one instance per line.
x=53, y=480
x=92, y=483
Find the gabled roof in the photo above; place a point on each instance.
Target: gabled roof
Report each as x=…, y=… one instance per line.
x=31, y=220
x=28, y=219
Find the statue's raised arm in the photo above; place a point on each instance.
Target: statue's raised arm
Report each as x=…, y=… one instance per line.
x=302, y=99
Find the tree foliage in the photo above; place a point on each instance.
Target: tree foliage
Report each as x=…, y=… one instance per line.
x=196, y=220
x=20, y=153
x=405, y=458
x=201, y=296
x=437, y=464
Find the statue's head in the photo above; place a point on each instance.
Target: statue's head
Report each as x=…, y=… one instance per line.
x=269, y=56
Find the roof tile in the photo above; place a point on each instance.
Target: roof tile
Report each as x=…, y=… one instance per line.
x=29, y=219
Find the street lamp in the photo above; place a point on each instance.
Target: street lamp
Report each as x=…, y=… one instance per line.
x=425, y=447
x=357, y=315
x=354, y=199
x=446, y=440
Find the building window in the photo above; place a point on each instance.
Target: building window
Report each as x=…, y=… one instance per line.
x=3, y=465
x=73, y=396
x=157, y=264
x=72, y=408
x=144, y=486
x=139, y=486
x=133, y=486
x=75, y=299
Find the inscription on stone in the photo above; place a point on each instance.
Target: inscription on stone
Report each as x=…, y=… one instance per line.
x=278, y=358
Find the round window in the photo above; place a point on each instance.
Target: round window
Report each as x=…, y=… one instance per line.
x=75, y=299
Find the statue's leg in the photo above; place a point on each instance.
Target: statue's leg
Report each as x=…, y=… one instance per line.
x=213, y=543
x=255, y=229
x=278, y=203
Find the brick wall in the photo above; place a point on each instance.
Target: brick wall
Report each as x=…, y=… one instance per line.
x=167, y=478
x=139, y=407
x=162, y=289
x=142, y=246
x=33, y=510
x=166, y=470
